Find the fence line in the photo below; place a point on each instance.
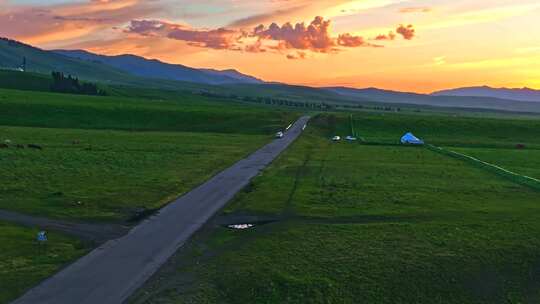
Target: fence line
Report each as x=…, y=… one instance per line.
x=353, y=132
x=515, y=177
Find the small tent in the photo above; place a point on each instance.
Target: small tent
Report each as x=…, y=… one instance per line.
x=410, y=139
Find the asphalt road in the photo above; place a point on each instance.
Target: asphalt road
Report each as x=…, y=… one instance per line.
x=113, y=271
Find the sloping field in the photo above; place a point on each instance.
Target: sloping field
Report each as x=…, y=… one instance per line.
x=106, y=158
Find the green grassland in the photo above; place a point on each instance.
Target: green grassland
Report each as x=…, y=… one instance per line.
x=107, y=158
x=109, y=174
x=446, y=130
x=525, y=162
x=359, y=223
x=24, y=263
x=104, y=157
x=185, y=112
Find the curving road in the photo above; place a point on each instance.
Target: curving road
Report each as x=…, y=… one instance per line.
x=113, y=271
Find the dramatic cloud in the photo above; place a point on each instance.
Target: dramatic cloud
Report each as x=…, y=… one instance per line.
x=220, y=38
x=408, y=32
x=349, y=40
x=314, y=37
x=389, y=36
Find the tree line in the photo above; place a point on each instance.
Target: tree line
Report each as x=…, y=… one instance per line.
x=72, y=85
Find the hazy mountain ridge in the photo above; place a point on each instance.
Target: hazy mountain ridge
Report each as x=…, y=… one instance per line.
x=396, y=98
x=152, y=68
x=523, y=94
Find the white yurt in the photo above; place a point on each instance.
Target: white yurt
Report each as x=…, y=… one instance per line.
x=410, y=139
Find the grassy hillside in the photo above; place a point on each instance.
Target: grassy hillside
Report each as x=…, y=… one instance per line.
x=370, y=223
x=105, y=157
x=180, y=112
x=40, y=61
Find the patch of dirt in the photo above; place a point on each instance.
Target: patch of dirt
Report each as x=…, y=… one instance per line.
x=98, y=233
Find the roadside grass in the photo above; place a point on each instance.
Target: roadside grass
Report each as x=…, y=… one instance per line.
x=108, y=175
x=371, y=224
x=23, y=263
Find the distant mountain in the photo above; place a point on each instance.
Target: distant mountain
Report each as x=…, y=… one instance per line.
x=524, y=94
x=151, y=68
x=381, y=95
x=234, y=74
x=470, y=102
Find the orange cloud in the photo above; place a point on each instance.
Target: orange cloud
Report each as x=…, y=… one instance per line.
x=408, y=32
x=220, y=38
x=349, y=40
x=298, y=55
x=389, y=36
x=315, y=37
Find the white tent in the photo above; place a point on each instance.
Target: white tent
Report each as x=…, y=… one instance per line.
x=410, y=139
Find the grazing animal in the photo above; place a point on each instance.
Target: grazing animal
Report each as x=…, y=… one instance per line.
x=7, y=142
x=76, y=142
x=4, y=146
x=34, y=146
x=520, y=146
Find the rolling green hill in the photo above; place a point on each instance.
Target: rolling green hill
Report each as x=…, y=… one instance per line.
x=40, y=61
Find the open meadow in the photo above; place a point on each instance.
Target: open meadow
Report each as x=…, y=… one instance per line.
x=371, y=222
x=109, y=160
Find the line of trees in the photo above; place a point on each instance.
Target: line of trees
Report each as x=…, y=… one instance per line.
x=72, y=85
x=271, y=101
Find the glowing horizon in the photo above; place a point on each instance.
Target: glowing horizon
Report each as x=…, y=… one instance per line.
x=390, y=44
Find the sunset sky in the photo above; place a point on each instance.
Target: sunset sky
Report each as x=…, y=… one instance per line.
x=417, y=46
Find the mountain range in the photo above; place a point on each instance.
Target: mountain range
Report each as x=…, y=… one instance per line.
x=152, y=68
x=138, y=71
x=524, y=94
